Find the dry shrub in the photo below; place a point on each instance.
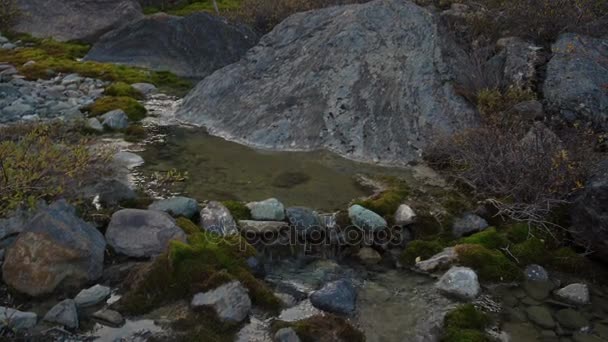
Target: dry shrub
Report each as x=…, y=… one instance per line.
x=524, y=169
x=9, y=14
x=43, y=162
x=263, y=15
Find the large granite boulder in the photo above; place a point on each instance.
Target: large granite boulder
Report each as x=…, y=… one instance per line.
x=577, y=74
x=589, y=214
x=192, y=46
x=55, y=250
x=83, y=20
x=142, y=233
x=371, y=81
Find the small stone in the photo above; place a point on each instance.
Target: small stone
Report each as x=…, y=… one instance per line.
x=366, y=219
x=404, y=215
x=128, y=160
x=146, y=89
x=176, y=206
x=94, y=124
x=29, y=64
x=468, y=224
x=229, y=301
x=540, y=316
x=459, y=282
x=574, y=293
x=536, y=273
x=286, y=335
x=571, y=319
x=110, y=317
x=71, y=79
x=116, y=119
x=92, y=296
x=369, y=256
x=9, y=46
x=267, y=210
x=262, y=227
x=338, y=296
x=17, y=320
x=64, y=313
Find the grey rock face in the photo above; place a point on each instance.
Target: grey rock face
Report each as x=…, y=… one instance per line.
x=536, y=273
x=339, y=296
x=459, y=282
x=192, y=46
x=574, y=293
x=142, y=233
x=589, y=214
x=373, y=82
x=64, y=313
x=576, y=78
x=116, y=119
x=92, y=296
x=84, y=20
x=404, y=215
x=286, y=335
x=56, y=249
x=518, y=61
x=230, y=301
x=17, y=320
x=176, y=206
x=303, y=220
x=267, y=210
x=468, y=224
x=215, y=217
x=366, y=219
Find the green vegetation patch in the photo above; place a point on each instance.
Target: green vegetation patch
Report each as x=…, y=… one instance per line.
x=52, y=57
x=488, y=238
x=531, y=251
x=207, y=261
x=238, y=210
x=420, y=248
x=466, y=324
x=134, y=110
x=123, y=89
x=490, y=265
x=187, y=226
x=386, y=203
x=311, y=329
x=135, y=133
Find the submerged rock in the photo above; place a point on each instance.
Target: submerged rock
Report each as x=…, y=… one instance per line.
x=176, y=206
x=571, y=319
x=215, y=217
x=84, y=20
x=536, y=273
x=374, y=82
x=339, y=296
x=541, y=316
x=267, y=210
x=64, y=313
x=56, y=250
x=229, y=301
x=459, y=282
x=366, y=219
x=107, y=316
x=286, y=335
x=142, y=233
x=193, y=46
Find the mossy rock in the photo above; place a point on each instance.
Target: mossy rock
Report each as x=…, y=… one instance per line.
x=488, y=238
x=420, y=248
x=517, y=232
x=123, y=89
x=386, y=203
x=531, y=251
x=200, y=265
x=187, y=226
x=134, y=110
x=312, y=329
x=466, y=324
x=238, y=210
x=567, y=260
x=490, y=265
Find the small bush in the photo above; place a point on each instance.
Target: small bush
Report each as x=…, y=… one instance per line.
x=43, y=162
x=134, y=110
x=420, y=248
x=531, y=251
x=466, y=324
x=491, y=265
x=123, y=89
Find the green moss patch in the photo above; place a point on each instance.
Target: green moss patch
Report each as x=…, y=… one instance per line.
x=185, y=269
x=466, y=324
x=420, y=248
x=134, y=110
x=123, y=89
x=238, y=210
x=386, y=203
x=187, y=226
x=567, y=260
x=331, y=326
x=488, y=238
x=531, y=251
x=490, y=265
x=197, y=6
x=135, y=133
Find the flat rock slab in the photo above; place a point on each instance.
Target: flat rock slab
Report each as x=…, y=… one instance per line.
x=339, y=296
x=17, y=320
x=267, y=210
x=176, y=206
x=92, y=296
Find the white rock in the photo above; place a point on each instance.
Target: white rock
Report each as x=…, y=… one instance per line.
x=459, y=282
x=574, y=293
x=404, y=215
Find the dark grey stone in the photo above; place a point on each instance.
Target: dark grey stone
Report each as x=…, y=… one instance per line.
x=176, y=206
x=468, y=224
x=338, y=297
x=303, y=220
x=64, y=313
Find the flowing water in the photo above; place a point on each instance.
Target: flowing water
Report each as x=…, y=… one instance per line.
x=222, y=170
